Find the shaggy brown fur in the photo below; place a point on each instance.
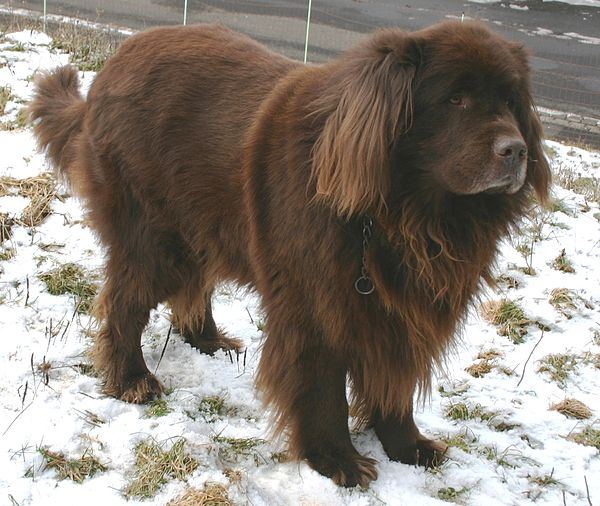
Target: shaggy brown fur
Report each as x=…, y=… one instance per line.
x=204, y=157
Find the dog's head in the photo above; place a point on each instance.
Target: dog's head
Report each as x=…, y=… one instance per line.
x=449, y=106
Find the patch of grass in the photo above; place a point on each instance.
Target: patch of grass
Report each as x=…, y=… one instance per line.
x=479, y=369
x=7, y=254
x=543, y=480
x=231, y=448
x=509, y=457
x=158, y=408
x=92, y=418
x=562, y=263
x=451, y=494
x=6, y=225
x=88, y=49
x=87, y=369
x=508, y=281
x=5, y=97
x=462, y=411
x=77, y=469
x=592, y=359
x=17, y=47
x=508, y=317
x=587, y=186
x=155, y=466
x=213, y=408
x=464, y=440
x=560, y=206
x=454, y=390
x=559, y=366
x=572, y=408
x=588, y=436
x=71, y=278
x=40, y=190
x=212, y=494
x=563, y=300
x=490, y=354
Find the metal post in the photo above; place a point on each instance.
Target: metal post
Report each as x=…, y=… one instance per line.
x=45, y=12
x=185, y=12
x=307, y=30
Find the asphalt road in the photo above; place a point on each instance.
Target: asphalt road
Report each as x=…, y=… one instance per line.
x=564, y=38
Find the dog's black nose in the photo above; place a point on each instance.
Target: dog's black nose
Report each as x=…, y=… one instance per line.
x=512, y=149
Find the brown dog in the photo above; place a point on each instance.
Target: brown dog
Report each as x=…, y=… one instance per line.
x=364, y=200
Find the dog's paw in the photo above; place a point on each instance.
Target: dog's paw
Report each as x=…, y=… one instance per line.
x=140, y=389
x=425, y=452
x=430, y=452
x=209, y=343
x=345, y=469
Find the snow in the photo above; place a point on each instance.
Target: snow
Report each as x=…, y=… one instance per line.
x=36, y=413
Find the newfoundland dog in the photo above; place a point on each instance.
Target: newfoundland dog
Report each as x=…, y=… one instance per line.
x=363, y=199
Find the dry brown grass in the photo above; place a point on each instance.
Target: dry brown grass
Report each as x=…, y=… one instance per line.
x=5, y=97
x=490, y=354
x=588, y=436
x=589, y=187
x=563, y=301
x=480, y=369
x=155, y=466
x=562, y=263
x=6, y=225
x=573, y=408
x=77, y=469
x=41, y=190
x=212, y=494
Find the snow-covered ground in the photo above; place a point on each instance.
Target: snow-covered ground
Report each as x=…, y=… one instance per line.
x=512, y=449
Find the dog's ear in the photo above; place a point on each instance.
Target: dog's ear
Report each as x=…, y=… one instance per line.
x=539, y=176
x=538, y=170
x=367, y=104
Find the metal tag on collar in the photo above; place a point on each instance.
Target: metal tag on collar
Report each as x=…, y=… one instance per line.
x=364, y=284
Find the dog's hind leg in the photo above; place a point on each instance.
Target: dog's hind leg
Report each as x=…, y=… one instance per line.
x=193, y=318
x=124, y=307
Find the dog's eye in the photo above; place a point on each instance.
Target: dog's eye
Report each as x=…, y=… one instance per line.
x=457, y=100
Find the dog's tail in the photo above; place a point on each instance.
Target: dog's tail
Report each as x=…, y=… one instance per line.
x=57, y=110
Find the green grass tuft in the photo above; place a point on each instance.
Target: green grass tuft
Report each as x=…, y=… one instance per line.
x=158, y=408
x=231, y=449
x=559, y=366
x=214, y=407
x=508, y=317
x=462, y=411
x=451, y=494
x=71, y=278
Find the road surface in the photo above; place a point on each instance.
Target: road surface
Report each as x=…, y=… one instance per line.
x=564, y=38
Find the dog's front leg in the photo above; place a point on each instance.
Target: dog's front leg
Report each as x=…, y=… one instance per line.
x=403, y=442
